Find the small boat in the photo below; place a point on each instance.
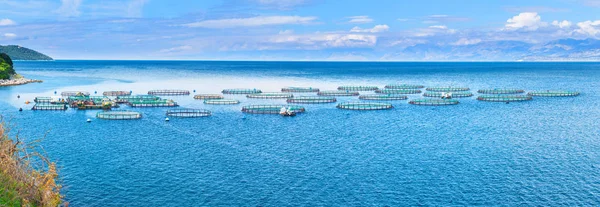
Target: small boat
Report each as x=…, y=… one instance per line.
x=446, y=95
x=286, y=112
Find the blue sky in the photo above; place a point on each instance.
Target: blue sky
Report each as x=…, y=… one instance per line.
x=384, y=30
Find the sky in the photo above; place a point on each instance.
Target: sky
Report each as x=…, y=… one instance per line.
x=376, y=30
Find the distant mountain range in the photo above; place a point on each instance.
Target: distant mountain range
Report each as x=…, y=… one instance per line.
x=22, y=53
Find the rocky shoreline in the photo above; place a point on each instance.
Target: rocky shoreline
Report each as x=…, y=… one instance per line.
x=18, y=81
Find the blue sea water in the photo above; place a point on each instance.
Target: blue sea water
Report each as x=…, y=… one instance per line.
x=544, y=152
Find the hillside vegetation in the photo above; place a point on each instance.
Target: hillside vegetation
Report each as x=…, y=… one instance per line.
x=22, y=53
x=6, y=67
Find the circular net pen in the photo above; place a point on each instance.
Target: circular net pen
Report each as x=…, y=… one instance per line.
x=116, y=93
x=433, y=102
x=500, y=91
x=504, y=98
x=364, y=106
x=299, y=89
x=74, y=93
x=271, y=109
x=241, y=91
x=357, y=88
x=398, y=91
x=221, y=101
x=153, y=103
x=383, y=97
x=208, y=96
x=553, y=93
x=274, y=95
x=49, y=107
x=312, y=99
x=338, y=93
x=403, y=86
x=447, y=89
x=169, y=92
x=119, y=115
x=458, y=94
x=188, y=113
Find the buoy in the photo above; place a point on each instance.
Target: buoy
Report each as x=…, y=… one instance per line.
x=20, y=109
x=18, y=96
x=54, y=92
x=95, y=92
x=89, y=120
x=167, y=119
x=27, y=102
x=194, y=91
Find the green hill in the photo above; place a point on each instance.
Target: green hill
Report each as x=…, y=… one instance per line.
x=6, y=67
x=22, y=53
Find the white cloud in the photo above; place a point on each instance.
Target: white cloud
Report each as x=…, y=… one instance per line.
x=375, y=29
x=289, y=31
x=325, y=40
x=591, y=28
x=176, y=49
x=7, y=22
x=135, y=7
x=252, y=21
x=281, y=4
x=442, y=18
x=529, y=21
x=563, y=24
x=438, y=27
x=403, y=20
x=69, y=8
x=433, y=30
x=465, y=41
x=359, y=19
x=10, y=35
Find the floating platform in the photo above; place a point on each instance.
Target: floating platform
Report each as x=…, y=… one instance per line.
x=312, y=99
x=403, y=86
x=118, y=115
x=208, y=96
x=364, y=106
x=189, y=113
x=500, y=91
x=299, y=89
x=241, y=91
x=221, y=101
x=383, y=97
x=504, y=98
x=433, y=102
x=49, y=107
x=338, y=93
x=127, y=99
x=398, y=91
x=458, y=94
x=153, y=103
x=274, y=95
x=116, y=93
x=549, y=93
x=42, y=99
x=357, y=88
x=74, y=93
x=171, y=92
x=447, y=89
x=271, y=109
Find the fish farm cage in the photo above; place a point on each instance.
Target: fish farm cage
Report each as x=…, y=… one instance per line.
x=118, y=115
x=49, y=107
x=357, y=88
x=500, y=91
x=338, y=93
x=504, y=98
x=312, y=99
x=383, y=97
x=74, y=93
x=364, y=106
x=271, y=109
x=41, y=99
x=172, y=92
x=553, y=93
x=299, y=89
x=403, y=86
x=398, y=91
x=221, y=101
x=153, y=103
x=127, y=99
x=458, y=94
x=274, y=95
x=208, y=96
x=188, y=113
x=116, y=93
x=447, y=89
x=241, y=91
x=433, y=102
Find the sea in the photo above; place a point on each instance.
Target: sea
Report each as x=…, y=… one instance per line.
x=543, y=152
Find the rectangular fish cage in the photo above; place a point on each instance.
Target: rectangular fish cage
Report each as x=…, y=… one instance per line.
x=364, y=106
x=118, y=115
x=72, y=99
x=41, y=99
x=500, y=91
x=169, y=92
x=433, y=102
x=116, y=93
x=383, y=97
x=241, y=91
x=549, y=93
x=100, y=99
x=208, y=96
x=398, y=91
x=188, y=113
x=403, y=86
x=299, y=89
x=458, y=94
x=49, y=107
x=273, y=95
x=447, y=89
x=357, y=88
x=338, y=93
x=153, y=103
x=74, y=93
x=127, y=99
x=504, y=98
x=221, y=101
x=271, y=109
x=311, y=99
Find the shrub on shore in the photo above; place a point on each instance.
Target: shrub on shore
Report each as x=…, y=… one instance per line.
x=6, y=66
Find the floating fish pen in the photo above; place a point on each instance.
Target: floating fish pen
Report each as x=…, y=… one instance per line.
x=153, y=103
x=49, y=107
x=338, y=93
x=433, y=102
x=208, y=96
x=274, y=95
x=501, y=91
x=188, y=113
x=504, y=98
x=447, y=89
x=398, y=91
x=383, y=97
x=403, y=86
x=173, y=92
x=311, y=99
x=458, y=94
x=364, y=106
x=553, y=93
x=41, y=99
x=128, y=99
x=116, y=93
x=357, y=88
x=74, y=93
x=271, y=109
x=221, y=101
x=99, y=98
x=118, y=115
x=241, y=91
x=300, y=89
x=72, y=99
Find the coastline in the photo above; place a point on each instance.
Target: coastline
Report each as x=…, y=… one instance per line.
x=18, y=81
